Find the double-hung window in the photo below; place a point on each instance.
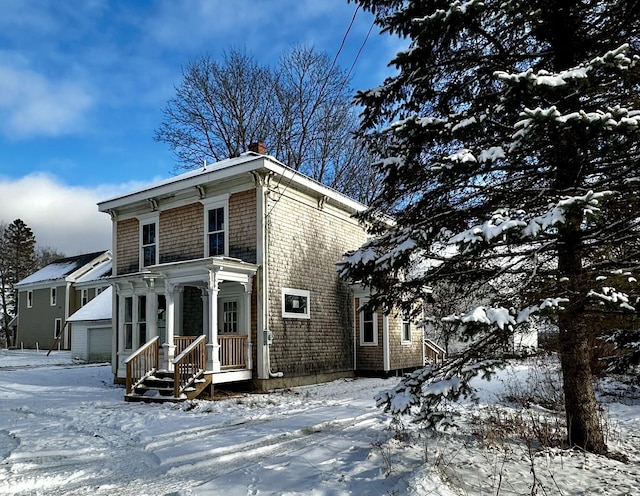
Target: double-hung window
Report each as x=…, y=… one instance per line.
x=406, y=328
x=368, y=327
x=216, y=226
x=149, y=233
x=84, y=297
x=53, y=296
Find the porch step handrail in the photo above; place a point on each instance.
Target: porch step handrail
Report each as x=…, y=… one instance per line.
x=189, y=365
x=142, y=363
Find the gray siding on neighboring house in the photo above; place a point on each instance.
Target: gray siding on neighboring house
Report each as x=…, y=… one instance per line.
x=304, y=244
x=36, y=325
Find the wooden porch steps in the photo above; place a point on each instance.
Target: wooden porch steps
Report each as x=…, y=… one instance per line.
x=159, y=388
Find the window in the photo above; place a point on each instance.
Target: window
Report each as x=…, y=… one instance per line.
x=99, y=290
x=368, y=327
x=128, y=323
x=295, y=303
x=230, y=317
x=215, y=231
x=142, y=320
x=29, y=299
x=84, y=297
x=52, y=297
x=57, y=327
x=406, y=328
x=216, y=222
x=148, y=244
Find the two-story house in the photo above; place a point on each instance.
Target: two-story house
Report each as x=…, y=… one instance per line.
x=234, y=265
x=50, y=295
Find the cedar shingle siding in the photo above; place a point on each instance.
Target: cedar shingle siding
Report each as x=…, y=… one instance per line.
x=304, y=245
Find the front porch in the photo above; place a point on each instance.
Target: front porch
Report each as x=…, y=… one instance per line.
x=184, y=327
x=188, y=379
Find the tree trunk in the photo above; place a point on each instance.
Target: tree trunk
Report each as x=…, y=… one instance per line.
x=584, y=423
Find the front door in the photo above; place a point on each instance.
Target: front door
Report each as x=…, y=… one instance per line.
x=229, y=315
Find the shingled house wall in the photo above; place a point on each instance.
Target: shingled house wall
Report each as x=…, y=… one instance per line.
x=304, y=243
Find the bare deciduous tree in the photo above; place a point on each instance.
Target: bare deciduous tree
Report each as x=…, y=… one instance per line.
x=302, y=110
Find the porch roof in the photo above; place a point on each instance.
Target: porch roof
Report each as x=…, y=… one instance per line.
x=226, y=268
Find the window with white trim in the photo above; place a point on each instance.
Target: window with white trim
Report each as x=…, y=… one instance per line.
x=29, y=299
x=406, y=328
x=296, y=303
x=128, y=323
x=148, y=243
x=216, y=222
x=215, y=231
x=53, y=296
x=84, y=297
x=368, y=327
x=57, y=327
x=142, y=320
x=230, y=317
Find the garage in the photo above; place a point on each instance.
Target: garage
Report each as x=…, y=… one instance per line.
x=91, y=330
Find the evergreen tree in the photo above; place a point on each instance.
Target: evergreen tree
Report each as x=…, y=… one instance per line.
x=17, y=261
x=508, y=141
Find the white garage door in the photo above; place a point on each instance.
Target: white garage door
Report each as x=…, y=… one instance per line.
x=99, y=344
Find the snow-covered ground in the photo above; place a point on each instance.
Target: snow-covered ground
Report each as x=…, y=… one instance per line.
x=65, y=429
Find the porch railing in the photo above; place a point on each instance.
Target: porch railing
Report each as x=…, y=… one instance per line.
x=181, y=342
x=233, y=353
x=189, y=365
x=142, y=363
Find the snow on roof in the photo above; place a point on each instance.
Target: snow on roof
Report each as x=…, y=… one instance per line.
x=100, y=271
x=97, y=309
x=60, y=268
x=205, y=169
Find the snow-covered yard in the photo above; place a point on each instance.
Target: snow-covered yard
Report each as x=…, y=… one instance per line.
x=65, y=429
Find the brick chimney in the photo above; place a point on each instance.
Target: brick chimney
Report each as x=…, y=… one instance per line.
x=258, y=147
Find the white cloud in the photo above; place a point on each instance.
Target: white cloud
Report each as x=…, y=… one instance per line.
x=32, y=105
x=63, y=217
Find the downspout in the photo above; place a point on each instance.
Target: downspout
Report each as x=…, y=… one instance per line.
x=114, y=294
x=385, y=343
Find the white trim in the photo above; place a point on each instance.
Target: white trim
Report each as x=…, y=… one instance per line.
x=53, y=296
x=386, y=349
x=84, y=297
x=221, y=201
x=289, y=314
x=29, y=298
x=57, y=324
x=407, y=319
x=375, y=327
x=145, y=220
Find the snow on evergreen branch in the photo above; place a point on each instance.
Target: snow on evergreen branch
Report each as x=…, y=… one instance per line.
x=612, y=296
x=614, y=58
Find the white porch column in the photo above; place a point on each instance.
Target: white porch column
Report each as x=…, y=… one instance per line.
x=205, y=312
x=213, y=346
x=169, y=346
x=247, y=320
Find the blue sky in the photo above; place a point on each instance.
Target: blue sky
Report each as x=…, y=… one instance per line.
x=83, y=84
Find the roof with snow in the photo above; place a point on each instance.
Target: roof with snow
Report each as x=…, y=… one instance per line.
x=99, y=272
x=224, y=169
x=97, y=309
x=61, y=268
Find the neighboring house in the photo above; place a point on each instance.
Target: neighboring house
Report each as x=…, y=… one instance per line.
x=49, y=296
x=238, y=260
x=91, y=326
